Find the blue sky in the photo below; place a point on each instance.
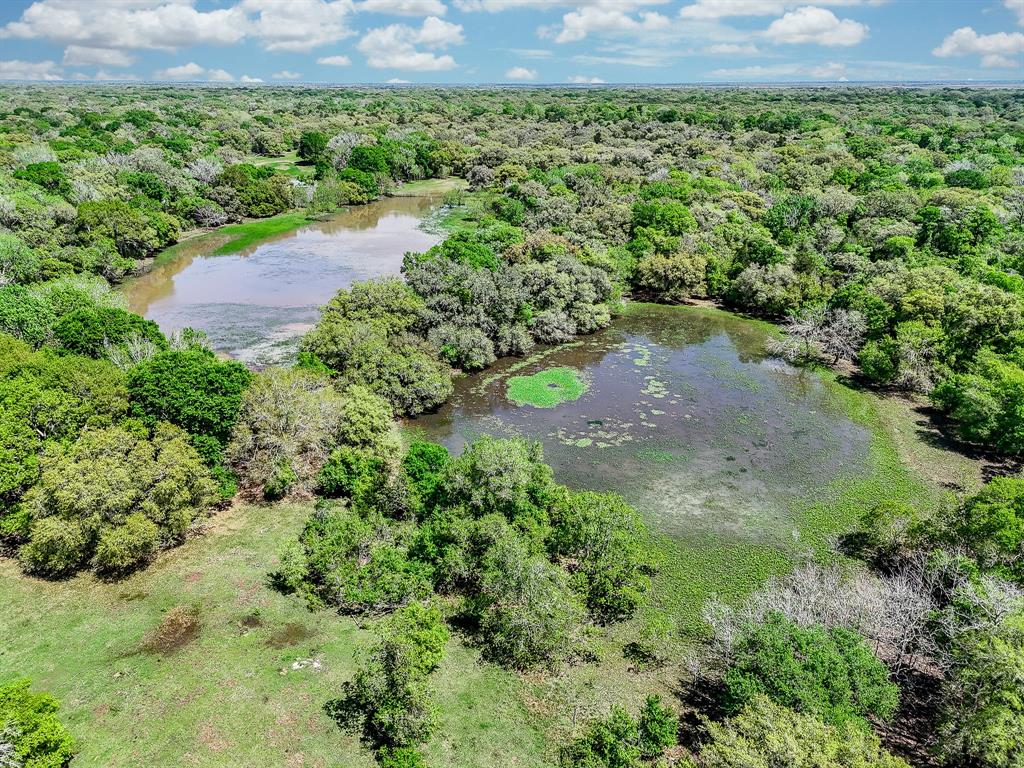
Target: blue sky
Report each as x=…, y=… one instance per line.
x=511, y=41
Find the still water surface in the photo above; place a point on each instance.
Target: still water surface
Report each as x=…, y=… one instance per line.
x=685, y=415
x=256, y=304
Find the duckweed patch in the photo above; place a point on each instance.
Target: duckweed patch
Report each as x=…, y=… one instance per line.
x=547, y=388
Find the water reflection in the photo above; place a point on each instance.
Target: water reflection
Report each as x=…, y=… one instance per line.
x=255, y=304
x=685, y=415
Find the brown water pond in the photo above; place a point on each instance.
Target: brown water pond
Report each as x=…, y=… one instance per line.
x=256, y=304
x=684, y=413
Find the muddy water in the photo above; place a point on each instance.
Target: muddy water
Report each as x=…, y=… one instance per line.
x=256, y=304
x=685, y=415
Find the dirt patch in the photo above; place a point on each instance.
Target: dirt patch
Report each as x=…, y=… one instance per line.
x=251, y=621
x=133, y=597
x=288, y=635
x=179, y=627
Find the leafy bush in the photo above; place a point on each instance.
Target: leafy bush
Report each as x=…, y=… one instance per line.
x=93, y=495
x=31, y=735
x=765, y=733
x=92, y=331
x=829, y=673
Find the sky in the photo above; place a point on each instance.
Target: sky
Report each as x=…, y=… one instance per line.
x=511, y=41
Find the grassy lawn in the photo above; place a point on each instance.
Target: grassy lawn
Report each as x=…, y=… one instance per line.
x=244, y=690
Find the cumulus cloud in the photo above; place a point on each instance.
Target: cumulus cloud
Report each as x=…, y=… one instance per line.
x=127, y=24
x=248, y=79
x=1017, y=7
x=810, y=24
x=404, y=7
x=521, y=73
x=286, y=74
x=397, y=81
x=16, y=69
x=1002, y=49
x=84, y=56
x=334, y=61
x=604, y=18
x=298, y=25
x=397, y=46
x=584, y=80
x=193, y=72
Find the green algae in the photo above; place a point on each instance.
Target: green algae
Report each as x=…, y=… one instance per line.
x=547, y=388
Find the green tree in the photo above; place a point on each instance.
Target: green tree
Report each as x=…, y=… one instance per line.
x=829, y=673
x=190, y=388
x=31, y=734
x=765, y=734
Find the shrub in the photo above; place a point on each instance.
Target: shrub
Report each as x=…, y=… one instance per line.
x=991, y=526
x=190, y=388
x=673, y=277
x=103, y=481
x=30, y=726
x=831, y=674
x=765, y=733
x=126, y=546
x=985, y=402
x=91, y=330
x=288, y=422
x=658, y=728
x=613, y=742
x=607, y=543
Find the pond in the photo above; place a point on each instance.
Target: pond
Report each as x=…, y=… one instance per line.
x=257, y=303
x=681, y=410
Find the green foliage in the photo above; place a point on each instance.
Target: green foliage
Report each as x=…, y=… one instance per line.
x=990, y=525
x=766, y=734
x=985, y=402
x=363, y=337
x=312, y=146
x=829, y=673
x=92, y=331
x=606, y=541
x=30, y=726
x=620, y=741
x=190, y=388
x=357, y=563
x=984, y=713
x=425, y=465
x=389, y=700
x=92, y=494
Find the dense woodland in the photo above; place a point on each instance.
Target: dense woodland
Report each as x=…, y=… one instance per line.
x=882, y=229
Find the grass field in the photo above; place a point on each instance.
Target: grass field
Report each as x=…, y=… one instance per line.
x=244, y=691
x=245, y=682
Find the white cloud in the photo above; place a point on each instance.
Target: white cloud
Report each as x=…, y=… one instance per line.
x=395, y=46
x=84, y=56
x=404, y=7
x=397, y=81
x=334, y=61
x=1002, y=49
x=732, y=49
x=810, y=24
x=127, y=24
x=286, y=74
x=247, y=79
x=829, y=71
x=295, y=25
x=298, y=25
x=29, y=70
x=497, y=6
x=193, y=72
x=521, y=73
x=604, y=19
x=1017, y=7
x=720, y=9
x=584, y=80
